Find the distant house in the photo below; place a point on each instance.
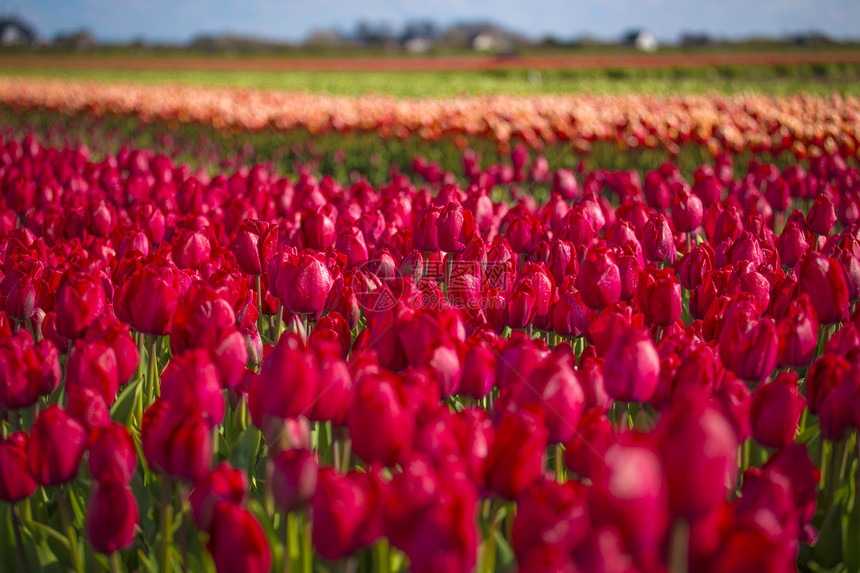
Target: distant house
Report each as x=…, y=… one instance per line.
x=695, y=40
x=419, y=36
x=16, y=33
x=642, y=40
x=78, y=40
x=482, y=38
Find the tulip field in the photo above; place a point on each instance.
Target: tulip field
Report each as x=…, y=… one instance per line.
x=249, y=330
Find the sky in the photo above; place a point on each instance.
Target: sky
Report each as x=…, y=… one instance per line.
x=292, y=20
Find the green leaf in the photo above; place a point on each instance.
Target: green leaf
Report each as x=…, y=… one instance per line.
x=828, y=550
x=505, y=553
x=244, y=451
x=123, y=409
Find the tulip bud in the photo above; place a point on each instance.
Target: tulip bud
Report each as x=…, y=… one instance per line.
x=454, y=228
x=822, y=215
x=792, y=244
x=79, y=303
x=583, y=452
x=57, y=443
x=147, y=300
x=687, y=211
x=112, y=516
x=191, y=381
x=798, y=331
x=631, y=369
x=94, y=365
x=237, y=542
x=303, y=284
x=255, y=243
x=658, y=243
x=599, y=280
x=424, y=233
x=659, y=296
x=775, y=412
x=190, y=249
x=318, y=227
x=176, y=442
x=380, y=424
x=822, y=279
x=749, y=346
x=351, y=243
x=515, y=460
x=16, y=483
x=112, y=454
x=630, y=491
x=288, y=382
x=294, y=478
x=223, y=484
x=699, y=478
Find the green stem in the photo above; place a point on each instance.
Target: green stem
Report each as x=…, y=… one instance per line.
x=139, y=375
x=383, y=556
x=292, y=539
x=679, y=547
x=115, y=562
x=19, y=542
x=166, y=520
x=153, y=369
x=66, y=516
x=288, y=558
x=559, y=464
x=307, y=547
x=259, y=301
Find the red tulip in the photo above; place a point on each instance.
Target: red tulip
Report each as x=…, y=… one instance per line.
x=294, y=478
x=551, y=517
x=57, y=443
x=687, y=211
x=699, y=450
x=599, y=280
x=585, y=449
x=658, y=243
x=112, y=516
x=94, y=365
x=26, y=370
x=424, y=233
x=775, y=412
x=303, y=284
x=821, y=216
x=147, y=300
x=798, y=331
x=340, y=510
x=515, y=460
x=191, y=381
x=288, y=383
x=223, y=484
x=379, y=422
x=80, y=301
x=318, y=227
x=659, y=296
x=112, y=454
x=631, y=492
x=237, y=542
x=434, y=522
x=175, y=441
x=631, y=369
x=454, y=228
x=255, y=243
x=190, y=249
x=15, y=480
x=823, y=280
